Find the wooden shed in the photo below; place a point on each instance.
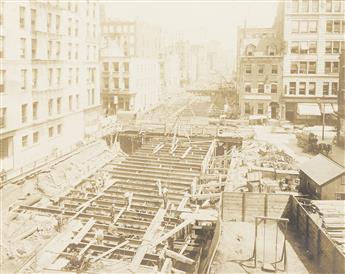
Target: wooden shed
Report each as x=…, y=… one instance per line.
x=322, y=178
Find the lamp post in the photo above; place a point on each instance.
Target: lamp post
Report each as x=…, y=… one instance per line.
x=322, y=107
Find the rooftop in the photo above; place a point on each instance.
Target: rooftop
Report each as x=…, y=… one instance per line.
x=322, y=169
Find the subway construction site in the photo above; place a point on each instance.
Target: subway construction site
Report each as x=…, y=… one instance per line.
x=164, y=195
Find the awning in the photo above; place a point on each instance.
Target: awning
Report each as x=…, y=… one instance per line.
x=310, y=109
x=331, y=108
x=257, y=97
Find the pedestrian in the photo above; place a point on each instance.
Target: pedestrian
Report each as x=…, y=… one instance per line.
x=165, y=197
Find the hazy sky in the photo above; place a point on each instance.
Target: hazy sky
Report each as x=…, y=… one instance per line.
x=198, y=20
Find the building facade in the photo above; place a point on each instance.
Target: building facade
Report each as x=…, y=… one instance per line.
x=259, y=72
x=49, y=88
x=341, y=102
x=314, y=34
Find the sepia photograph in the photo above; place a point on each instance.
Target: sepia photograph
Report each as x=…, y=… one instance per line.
x=172, y=136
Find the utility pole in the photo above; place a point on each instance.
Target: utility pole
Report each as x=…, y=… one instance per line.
x=322, y=107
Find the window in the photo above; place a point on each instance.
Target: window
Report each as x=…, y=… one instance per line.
x=295, y=47
x=315, y=5
x=312, y=68
x=76, y=75
x=93, y=96
x=2, y=47
x=336, y=47
x=69, y=51
x=331, y=67
x=58, y=47
x=312, y=47
x=58, y=105
x=312, y=26
x=25, y=141
x=334, y=88
x=328, y=47
x=51, y=132
x=336, y=26
x=23, y=79
x=303, y=26
x=312, y=88
x=77, y=101
x=116, y=83
x=35, y=137
x=34, y=78
x=22, y=48
x=260, y=108
x=58, y=76
x=336, y=6
x=294, y=5
x=50, y=107
x=329, y=5
x=303, y=47
x=33, y=48
x=325, y=88
x=116, y=67
x=76, y=28
x=49, y=22
x=126, y=83
x=50, y=49
x=250, y=50
x=24, y=113
x=70, y=103
x=126, y=67
x=274, y=87
x=295, y=27
x=260, y=69
x=247, y=108
x=2, y=118
x=22, y=17
x=294, y=68
x=105, y=66
x=329, y=26
x=261, y=88
x=303, y=67
x=35, y=110
x=57, y=24
x=248, y=69
x=59, y=129
x=305, y=6
x=50, y=77
x=33, y=19
x=69, y=26
x=292, y=89
x=302, y=88
x=274, y=69
x=70, y=72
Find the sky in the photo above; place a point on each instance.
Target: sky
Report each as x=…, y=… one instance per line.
x=199, y=21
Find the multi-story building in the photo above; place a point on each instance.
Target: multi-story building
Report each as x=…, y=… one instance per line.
x=259, y=72
x=314, y=34
x=133, y=48
x=49, y=90
x=341, y=102
x=128, y=83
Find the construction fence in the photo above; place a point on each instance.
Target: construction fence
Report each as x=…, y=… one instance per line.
x=317, y=242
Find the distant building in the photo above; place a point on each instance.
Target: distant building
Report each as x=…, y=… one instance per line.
x=322, y=178
x=130, y=65
x=341, y=102
x=49, y=84
x=259, y=72
x=128, y=83
x=314, y=34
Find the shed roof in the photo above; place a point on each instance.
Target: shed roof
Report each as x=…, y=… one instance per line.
x=321, y=169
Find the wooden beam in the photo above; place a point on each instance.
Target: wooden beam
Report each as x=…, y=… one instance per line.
x=173, y=231
x=167, y=266
x=119, y=215
x=186, y=152
x=148, y=237
x=183, y=202
x=158, y=148
x=83, y=231
x=184, y=247
x=178, y=257
x=109, y=251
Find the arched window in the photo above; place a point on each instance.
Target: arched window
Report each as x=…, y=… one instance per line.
x=250, y=50
x=272, y=50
